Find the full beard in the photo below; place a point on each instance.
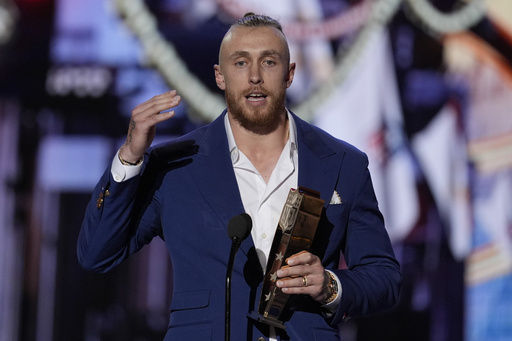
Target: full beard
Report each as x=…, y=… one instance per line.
x=261, y=120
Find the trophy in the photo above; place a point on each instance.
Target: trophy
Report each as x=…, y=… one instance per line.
x=295, y=232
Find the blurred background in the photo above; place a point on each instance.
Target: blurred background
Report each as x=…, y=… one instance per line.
x=424, y=87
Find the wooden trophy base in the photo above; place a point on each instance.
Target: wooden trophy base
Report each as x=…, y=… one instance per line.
x=296, y=229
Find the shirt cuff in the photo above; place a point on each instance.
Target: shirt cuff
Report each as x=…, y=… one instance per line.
x=122, y=172
x=333, y=305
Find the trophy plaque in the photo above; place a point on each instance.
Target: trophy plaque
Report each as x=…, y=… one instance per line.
x=295, y=232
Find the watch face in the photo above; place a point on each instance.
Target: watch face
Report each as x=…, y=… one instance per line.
x=333, y=284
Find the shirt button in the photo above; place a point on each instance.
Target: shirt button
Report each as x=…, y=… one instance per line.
x=117, y=178
x=264, y=236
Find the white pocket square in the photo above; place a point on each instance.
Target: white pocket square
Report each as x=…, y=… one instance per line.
x=335, y=200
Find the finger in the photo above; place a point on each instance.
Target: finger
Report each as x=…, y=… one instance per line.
x=299, y=264
x=148, y=115
x=156, y=113
x=165, y=97
x=163, y=116
x=315, y=273
x=300, y=285
x=303, y=257
x=293, y=271
x=294, y=282
x=156, y=105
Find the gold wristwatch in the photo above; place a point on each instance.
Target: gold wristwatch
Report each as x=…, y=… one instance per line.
x=333, y=286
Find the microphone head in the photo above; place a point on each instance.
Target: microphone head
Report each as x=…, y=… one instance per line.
x=240, y=226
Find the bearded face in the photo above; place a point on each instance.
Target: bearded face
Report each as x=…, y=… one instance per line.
x=254, y=72
x=262, y=119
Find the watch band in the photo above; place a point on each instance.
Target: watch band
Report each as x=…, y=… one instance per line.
x=333, y=286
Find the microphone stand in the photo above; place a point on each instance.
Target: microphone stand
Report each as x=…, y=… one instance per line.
x=234, y=247
x=239, y=227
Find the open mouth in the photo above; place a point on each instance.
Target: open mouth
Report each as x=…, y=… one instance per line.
x=256, y=97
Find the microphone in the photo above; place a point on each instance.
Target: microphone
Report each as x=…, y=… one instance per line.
x=239, y=228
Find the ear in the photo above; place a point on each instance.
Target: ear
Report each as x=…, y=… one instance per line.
x=290, y=74
x=219, y=78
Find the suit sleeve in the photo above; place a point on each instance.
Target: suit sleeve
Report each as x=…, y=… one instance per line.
x=371, y=282
x=115, y=224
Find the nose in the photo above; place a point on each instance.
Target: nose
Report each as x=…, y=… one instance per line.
x=255, y=74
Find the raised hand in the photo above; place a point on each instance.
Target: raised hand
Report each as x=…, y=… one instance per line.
x=143, y=123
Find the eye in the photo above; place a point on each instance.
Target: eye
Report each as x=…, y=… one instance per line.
x=240, y=63
x=269, y=62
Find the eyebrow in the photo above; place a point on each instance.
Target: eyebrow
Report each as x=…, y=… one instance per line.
x=266, y=53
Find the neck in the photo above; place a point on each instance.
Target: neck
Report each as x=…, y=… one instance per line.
x=250, y=142
x=262, y=150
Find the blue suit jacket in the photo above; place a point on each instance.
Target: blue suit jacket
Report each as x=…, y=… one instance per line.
x=187, y=195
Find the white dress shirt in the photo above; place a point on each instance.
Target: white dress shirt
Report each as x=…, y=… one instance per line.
x=264, y=201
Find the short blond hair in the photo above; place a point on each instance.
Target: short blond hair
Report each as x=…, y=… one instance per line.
x=256, y=20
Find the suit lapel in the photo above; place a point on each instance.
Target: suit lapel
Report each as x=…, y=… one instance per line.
x=319, y=164
x=215, y=178
x=319, y=167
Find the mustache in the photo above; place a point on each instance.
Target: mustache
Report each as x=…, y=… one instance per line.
x=258, y=89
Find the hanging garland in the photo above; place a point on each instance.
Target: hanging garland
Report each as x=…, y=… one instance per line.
x=441, y=23
x=338, y=26
x=162, y=55
x=206, y=105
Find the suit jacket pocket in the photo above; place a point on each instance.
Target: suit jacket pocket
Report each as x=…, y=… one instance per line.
x=190, y=307
x=326, y=335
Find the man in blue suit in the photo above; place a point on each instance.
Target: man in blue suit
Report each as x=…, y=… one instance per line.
x=186, y=191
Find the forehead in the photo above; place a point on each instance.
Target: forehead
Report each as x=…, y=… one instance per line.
x=252, y=40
